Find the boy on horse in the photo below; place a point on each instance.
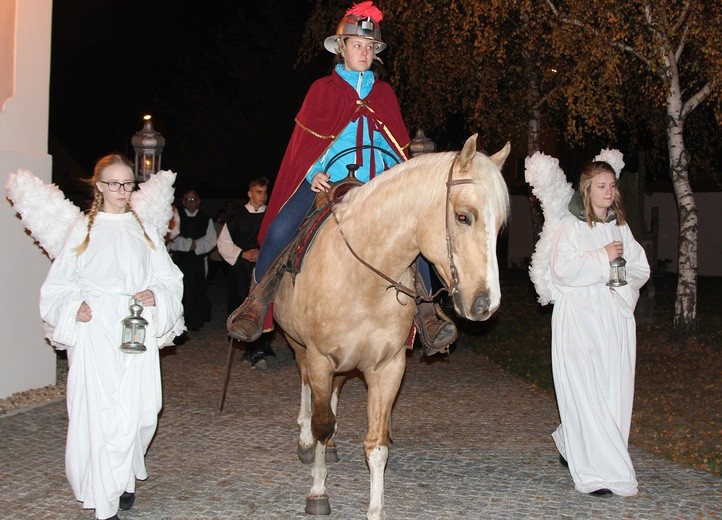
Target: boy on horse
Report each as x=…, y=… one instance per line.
x=350, y=108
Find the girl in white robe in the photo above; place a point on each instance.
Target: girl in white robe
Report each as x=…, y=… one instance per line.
x=113, y=398
x=594, y=335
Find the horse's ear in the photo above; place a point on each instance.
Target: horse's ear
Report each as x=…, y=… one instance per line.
x=469, y=151
x=499, y=157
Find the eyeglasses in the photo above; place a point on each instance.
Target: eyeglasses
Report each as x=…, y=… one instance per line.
x=190, y=199
x=115, y=185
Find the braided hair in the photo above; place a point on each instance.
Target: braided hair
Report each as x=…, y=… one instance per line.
x=96, y=206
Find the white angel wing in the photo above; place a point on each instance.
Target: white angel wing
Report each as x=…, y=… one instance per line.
x=550, y=186
x=48, y=215
x=152, y=201
x=44, y=210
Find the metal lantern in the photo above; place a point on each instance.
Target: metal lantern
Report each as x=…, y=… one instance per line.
x=134, y=330
x=148, y=145
x=617, y=272
x=421, y=144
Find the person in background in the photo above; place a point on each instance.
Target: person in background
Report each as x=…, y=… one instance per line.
x=113, y=398
x=215, y=261
x=238, y=245
x=594, y=335
x=351, y=109
x=189, y=250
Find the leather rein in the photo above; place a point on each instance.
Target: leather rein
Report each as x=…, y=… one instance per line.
x=398, y=286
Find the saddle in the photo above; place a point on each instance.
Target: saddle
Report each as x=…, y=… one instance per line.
x=338, y=189
x=324, y=203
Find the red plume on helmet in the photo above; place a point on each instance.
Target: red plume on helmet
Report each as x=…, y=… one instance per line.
x=362, y=20
x=366, y=10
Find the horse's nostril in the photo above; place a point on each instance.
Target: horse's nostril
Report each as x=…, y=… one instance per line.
x=481, y=303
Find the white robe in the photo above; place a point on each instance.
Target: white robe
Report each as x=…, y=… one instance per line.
x=594, y=352
x=113, y=398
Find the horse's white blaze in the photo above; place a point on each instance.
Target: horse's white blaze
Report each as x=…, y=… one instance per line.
x=376, y=460
x=492, y=266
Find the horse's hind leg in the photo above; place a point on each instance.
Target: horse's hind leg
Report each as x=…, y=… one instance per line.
x=323, y=426
x=331, y=450
x=306, y=442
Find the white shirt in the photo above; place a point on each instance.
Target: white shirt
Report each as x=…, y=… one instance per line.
x=204, y=245
x=228, y=250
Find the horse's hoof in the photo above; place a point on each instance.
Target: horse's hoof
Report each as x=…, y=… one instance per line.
x=307, y=455
x=331, y=454
x=318, y=506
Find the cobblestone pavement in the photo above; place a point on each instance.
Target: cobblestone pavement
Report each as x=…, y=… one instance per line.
x=469, y=441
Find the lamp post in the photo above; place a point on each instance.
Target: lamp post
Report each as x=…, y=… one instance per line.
x=148, y=145
x=421, y=144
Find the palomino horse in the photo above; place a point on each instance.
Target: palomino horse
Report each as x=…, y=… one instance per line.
x=339, y=313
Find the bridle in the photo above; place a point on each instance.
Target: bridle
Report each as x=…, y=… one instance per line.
x=398, y=286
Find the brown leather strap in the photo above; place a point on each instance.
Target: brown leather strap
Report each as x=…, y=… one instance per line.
x=398, y=286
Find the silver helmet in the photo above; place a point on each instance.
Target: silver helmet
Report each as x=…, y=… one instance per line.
x=353, y=25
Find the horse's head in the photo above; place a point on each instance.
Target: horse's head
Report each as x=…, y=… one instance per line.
x=477, y=206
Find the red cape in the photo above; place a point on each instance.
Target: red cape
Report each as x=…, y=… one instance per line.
x=330, y=104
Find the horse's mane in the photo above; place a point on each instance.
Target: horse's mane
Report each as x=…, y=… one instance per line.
x=402, y=178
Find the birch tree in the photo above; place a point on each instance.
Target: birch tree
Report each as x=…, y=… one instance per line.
x=677, y=45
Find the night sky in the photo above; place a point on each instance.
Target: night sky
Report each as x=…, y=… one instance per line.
x=218, y=78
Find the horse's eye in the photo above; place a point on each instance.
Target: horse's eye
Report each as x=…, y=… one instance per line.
x=463, y=218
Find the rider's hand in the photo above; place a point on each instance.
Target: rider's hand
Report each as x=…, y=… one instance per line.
x=320, y=182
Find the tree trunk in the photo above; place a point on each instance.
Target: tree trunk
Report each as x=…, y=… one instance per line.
x=537, y=215
x=685, y=308
x=533, y=145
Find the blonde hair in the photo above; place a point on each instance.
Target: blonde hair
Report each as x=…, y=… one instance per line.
x=100, y=166
x=590, y=171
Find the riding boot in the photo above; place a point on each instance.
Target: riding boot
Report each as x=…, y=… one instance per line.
x=436, y=330
x=246, y=322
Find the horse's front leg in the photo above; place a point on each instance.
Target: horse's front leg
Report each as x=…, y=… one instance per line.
x=383, y=386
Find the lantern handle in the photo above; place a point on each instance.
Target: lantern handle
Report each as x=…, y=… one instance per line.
x=132, y=302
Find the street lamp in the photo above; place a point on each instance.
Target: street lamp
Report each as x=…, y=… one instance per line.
x=421, y=144
x=148, y=145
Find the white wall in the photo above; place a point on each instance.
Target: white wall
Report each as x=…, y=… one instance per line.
x=709, y=245
x=26, y=360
